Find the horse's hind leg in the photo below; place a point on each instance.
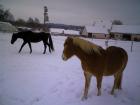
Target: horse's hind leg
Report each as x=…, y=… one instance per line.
x=22, y=46
x=30, y=47
x=99, y=82
x=87, y=84
x=114, y=85
x=117, y=82
x=49, y=47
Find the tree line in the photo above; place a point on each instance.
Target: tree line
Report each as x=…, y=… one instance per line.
x=7, y=16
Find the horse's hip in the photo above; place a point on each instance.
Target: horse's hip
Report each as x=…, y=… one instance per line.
x=116, y=61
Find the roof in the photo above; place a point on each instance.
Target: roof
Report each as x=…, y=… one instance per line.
x=71, y=32
x=56, y=30
x=96, y=29
x=126, y=29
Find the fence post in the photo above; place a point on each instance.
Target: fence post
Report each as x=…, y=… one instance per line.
x=131, y=46
x=106, y=43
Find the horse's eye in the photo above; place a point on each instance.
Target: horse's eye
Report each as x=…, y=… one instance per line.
x=65, y=46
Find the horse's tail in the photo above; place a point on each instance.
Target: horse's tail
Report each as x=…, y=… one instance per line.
x=51, y=43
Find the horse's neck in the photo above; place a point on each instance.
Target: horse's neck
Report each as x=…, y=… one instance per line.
x=20, y=36
x=82, y=55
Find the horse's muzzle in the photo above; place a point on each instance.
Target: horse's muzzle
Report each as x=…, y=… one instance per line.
x=12, y=42
x=64, y=57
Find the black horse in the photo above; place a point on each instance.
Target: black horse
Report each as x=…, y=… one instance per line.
x=29, y=36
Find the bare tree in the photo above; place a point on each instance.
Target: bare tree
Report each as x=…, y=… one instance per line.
x=30, y=20
x=36, y=20
x=6, y=15
x=117, y=22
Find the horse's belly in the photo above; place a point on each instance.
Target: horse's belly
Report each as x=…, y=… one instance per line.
x=112, y=68
x=109, y=72
x=35, y=40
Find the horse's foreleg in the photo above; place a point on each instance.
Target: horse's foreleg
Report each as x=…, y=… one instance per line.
x=87, y=84
x=99, y=82
x=22, y=46
x=30, y=47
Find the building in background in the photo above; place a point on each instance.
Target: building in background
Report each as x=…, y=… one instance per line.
x=100, y=29
x=98, y=32
x=125, y=32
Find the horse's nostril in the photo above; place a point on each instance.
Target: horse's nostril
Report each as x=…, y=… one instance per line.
x=64, y=57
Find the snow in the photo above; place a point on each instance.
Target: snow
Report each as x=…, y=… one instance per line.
x=56, y=30
x=63, y=31
x=45, y=79
x=71, y=32
x=7, y=27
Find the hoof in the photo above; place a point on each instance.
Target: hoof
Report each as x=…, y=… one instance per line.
x=99, y=93
x=84, y=98
x=112, y=92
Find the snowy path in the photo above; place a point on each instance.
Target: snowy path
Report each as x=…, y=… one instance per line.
x=37, y=79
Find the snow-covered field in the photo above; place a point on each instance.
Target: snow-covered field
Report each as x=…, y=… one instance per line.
x=38, y=79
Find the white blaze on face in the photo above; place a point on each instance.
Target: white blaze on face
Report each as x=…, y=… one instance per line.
x=64, y=57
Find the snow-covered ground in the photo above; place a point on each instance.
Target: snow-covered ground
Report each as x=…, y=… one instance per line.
x=7, y=27
x=45, y=79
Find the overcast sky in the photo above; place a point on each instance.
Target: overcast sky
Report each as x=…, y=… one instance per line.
x=78, y=12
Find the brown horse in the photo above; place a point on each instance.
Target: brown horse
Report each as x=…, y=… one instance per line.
x=97, y=61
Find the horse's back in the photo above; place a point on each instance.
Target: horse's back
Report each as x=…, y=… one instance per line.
x=44, y=34
x=34, y=36
x=116, y=60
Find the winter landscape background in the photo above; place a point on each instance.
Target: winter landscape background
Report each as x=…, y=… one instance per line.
x=45, y=79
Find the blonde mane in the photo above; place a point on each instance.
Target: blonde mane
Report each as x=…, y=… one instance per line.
x=86, y=46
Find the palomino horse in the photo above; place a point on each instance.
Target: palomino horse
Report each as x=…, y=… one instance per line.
x=97, y=61
x=29, y=36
